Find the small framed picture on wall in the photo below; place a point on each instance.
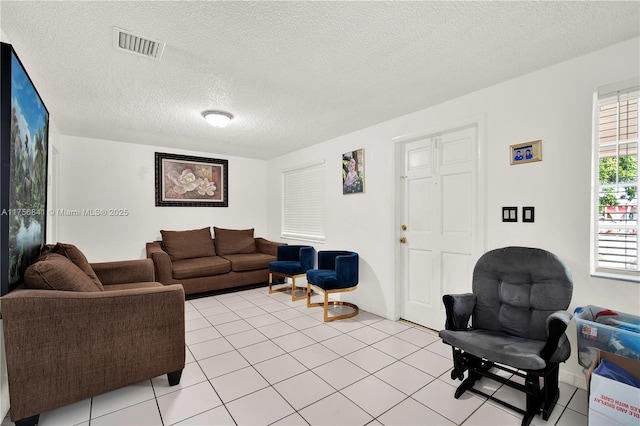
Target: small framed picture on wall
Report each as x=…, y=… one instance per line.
x=353, y=172
x=527, y=152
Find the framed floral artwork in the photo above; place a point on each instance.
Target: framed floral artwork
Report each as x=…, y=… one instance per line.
x=353, y=172
x=186, y=181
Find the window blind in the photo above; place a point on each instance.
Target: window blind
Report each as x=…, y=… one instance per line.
x=616, y=243
x=303, y=209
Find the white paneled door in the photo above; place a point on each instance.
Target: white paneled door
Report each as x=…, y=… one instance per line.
x=439, y=222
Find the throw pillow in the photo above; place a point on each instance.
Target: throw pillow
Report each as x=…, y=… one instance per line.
x=234, y=241
x=74, y=254
x=56, y=272
x=188, y=244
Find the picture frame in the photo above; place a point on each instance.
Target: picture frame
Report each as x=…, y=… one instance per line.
x=527, y=152
x=188, y=181
x=353, y=172
x=24, y=149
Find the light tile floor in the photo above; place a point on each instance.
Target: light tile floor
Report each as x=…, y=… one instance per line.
x=260, y=359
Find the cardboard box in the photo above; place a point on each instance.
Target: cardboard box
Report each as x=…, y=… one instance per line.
x=612, y=402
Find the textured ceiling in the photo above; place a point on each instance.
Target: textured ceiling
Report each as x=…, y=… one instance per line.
x=293, y=73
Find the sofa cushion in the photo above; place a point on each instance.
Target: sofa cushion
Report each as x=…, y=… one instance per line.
x=501, y=347
x=74, y=254
x=234, y=241
x=57, y=272
x=188, y=244
x=200, y=267
x=249, y=262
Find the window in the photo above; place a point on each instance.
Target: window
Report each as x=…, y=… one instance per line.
x=303, y=202
x=615, y=240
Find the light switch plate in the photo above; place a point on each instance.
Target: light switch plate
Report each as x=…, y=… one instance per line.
x=509, y=214
x=528, y=214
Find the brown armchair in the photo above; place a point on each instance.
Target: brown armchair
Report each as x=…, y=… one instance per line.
x=66, y=346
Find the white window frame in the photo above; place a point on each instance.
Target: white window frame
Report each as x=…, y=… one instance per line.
x=303, y=202
x=606, y=95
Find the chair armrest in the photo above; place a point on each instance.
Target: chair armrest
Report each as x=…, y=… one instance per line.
x=557, y=324
x=459, y=308
x=347, y=269
x=267, y=247
x=124, y=271
x=64, y=346
x=558, y=318
x=161, y=262
x=307, y=258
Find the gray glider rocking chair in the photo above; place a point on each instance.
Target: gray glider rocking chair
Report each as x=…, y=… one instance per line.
x=518, y=322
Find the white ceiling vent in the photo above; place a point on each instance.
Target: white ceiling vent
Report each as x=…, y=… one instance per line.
x=137, y=44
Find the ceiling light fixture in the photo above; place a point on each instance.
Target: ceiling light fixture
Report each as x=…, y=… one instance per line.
x=217, y=118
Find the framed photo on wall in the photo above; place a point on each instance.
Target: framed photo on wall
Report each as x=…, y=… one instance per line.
x=24, y=147
x=353, y=172
x=187, y=181
x=527, y=152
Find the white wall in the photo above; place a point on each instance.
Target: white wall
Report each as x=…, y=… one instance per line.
x=100, y=174
x=554, y=105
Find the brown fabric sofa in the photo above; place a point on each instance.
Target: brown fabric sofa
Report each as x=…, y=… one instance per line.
x=66, y=345
x=233, y=258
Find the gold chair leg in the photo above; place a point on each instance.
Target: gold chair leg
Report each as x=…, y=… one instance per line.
x=327, y=318
x=293, y=287
x=276, y=290
x=325, y=304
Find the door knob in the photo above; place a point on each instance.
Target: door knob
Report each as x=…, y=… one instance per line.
x=403, y=240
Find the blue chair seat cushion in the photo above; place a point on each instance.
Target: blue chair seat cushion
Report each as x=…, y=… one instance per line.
x=326, y=279
x=498, y=347
x=286, y=267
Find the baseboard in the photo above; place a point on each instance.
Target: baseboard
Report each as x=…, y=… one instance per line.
x=572, y=379
x=194, y=296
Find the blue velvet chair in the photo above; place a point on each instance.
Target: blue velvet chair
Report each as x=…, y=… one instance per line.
x=337, y=272
x=518, y=313
x=293, y=262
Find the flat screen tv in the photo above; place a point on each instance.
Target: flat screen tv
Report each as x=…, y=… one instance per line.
x=24, y=143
